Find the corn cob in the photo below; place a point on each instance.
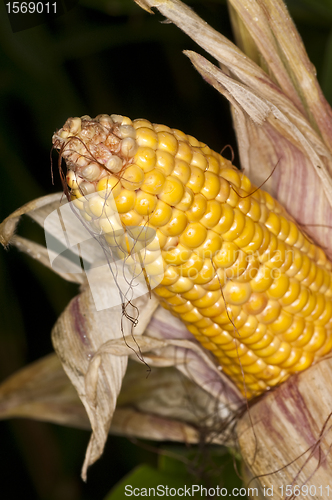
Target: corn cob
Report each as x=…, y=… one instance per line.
x=237, y=270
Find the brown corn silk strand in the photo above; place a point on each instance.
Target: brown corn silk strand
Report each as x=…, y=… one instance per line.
x=236, y=268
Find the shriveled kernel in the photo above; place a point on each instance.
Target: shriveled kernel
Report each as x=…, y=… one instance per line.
x=91, y=172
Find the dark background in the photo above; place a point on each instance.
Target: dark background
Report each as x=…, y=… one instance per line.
x=103, y=56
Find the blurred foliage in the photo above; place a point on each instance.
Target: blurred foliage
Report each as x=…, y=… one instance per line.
x=104, y=56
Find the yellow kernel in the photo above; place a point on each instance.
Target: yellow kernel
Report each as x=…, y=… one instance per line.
x=317, y=341
x=182, y=285
x=293, y=234
x=214, y=310
x=153, y=182
x=210, y=246
x=206, y=273
x=256, y=240
x=270, y=349
x=195, y=293
x=163, y=292
x=193, y=235
x=184, y=151
x=182, y=171
x=197, y=179
x=176, y=225
x=233, y=199
x=296, y=264
x=131, y=218
x=224, y=191
x=197, y=209
x=298, y=304
x=270, y=312
x=257, y=336
x=212, y=215
x=169, y=278
x=232, y=175
x=207, y=300
x=176, y=255
x=273, y=223
x=98, y=206
x=181, y=136
x=167, y=142
x=271, y=249
x=109, y=185
x=247, y=234
x=172, y=191
x=132, y=178
x=218, y=280
x=305, y=337
x=199, y=161
x=161, y=128
x=254, y=212
x=183, y=308
x=191, y=267
x=139, y=123
x=226, y=219
x=263, y=279
x=77, y=203
x=147, y=138
x=211, y=186
x=279, y=287
x=294, y=356
x=145, y=158
x=227, y=255
x=248, y=329
x=161, y=214
x=236, y=293
x=245, y=202
x=291, y=294
x=213, y=164
x=125, y=201
x=237, y=226
x=165, y=162
x=145, y=203
x=284, y=228
x=177, y=299
x=306, y=360
x=186, y=201
x=326, y=315
x=193, y=141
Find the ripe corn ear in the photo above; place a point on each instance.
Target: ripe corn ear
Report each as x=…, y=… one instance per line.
x=237, y=270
